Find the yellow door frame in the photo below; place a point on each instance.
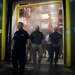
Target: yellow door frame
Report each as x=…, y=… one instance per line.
x=3, y=41
x=68, y=27
x=68, y=34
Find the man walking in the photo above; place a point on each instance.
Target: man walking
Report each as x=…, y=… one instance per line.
x=20, y=39
x=37, y=41
x=55, y=40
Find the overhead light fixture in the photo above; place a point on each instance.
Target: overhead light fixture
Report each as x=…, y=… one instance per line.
x=52, y=5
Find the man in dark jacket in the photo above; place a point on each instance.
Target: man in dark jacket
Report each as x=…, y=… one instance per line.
x=20, y=39
x=55, y=40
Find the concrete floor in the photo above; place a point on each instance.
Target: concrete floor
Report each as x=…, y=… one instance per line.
x=7, y=69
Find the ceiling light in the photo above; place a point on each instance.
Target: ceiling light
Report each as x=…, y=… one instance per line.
x=52, y=5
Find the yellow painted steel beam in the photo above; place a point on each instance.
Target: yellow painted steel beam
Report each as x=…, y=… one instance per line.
x=68, y=34
x=3, y=31
x=43, y=3
x=17, y=15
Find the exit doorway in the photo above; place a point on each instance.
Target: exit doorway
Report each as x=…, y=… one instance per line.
x=47, y=15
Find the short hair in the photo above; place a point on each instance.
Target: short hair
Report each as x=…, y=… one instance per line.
x=37, y=26
x=20, y=23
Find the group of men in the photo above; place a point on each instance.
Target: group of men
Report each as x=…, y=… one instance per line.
x=35, y=40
